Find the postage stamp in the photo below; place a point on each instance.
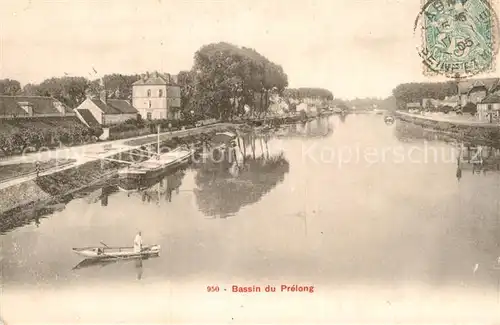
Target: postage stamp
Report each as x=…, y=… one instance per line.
x=458, y=38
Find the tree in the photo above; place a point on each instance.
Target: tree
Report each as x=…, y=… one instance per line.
x=186, y=80
x=415, y=92
x=225, y=78
x=69, y=90
x=118, y=86
x=301, y=93
x=9, y=87
x=470, y=108
x=30, y=90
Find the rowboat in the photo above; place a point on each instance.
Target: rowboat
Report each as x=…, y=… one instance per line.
x=110, y=253
x=389, y=120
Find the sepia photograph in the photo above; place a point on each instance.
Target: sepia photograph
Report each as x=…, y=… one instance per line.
x=249, y=162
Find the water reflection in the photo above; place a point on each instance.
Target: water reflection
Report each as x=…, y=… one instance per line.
x=154, y=190
x=137, y=264
x=320, y=127
x=343, y=117
x=35, y=212
x=390, y=224
x=478, y=157
x=224, y=187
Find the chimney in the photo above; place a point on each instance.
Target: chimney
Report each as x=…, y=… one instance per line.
x=88, y=93
x=103, y=96
x=155, y=74
x=147, y=74
x=143, y=77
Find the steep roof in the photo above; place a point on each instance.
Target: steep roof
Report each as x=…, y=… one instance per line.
x=157, y=79
x=88, y=117
x=114, y=106
x=492, y=99
x=151, y=80
x=10, y=105
x=467, y=85
x=122, y=106
x=103, y=107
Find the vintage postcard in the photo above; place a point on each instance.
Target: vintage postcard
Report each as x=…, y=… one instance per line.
x=249, y=162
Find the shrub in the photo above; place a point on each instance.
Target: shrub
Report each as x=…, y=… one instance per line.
x=470, y=108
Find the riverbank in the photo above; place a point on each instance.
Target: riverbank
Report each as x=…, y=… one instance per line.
x=462, y=130
x=33, y=192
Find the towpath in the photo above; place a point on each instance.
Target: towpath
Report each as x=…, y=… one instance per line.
x=465, y=119
x=90, y=152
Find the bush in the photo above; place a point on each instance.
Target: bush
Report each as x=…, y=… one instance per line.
x=16, y=135
x=470, y=108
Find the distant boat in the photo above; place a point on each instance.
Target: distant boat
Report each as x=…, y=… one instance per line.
x=389, y=120
x=112, y=253
x=219, y=142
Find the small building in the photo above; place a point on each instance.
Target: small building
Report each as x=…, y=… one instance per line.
x=157, y=96
x=413, y=106
x=105, y=111
x=475, y=90
x=489, y=108
x=32, y=106
x=430, y=103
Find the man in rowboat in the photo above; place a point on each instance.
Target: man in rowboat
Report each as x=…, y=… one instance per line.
x=138, y=243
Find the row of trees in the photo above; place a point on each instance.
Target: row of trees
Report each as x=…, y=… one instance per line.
x=224, y=82
x=301, y=93
x=415, y=92
x=72, y=91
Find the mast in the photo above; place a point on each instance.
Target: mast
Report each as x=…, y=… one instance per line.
x=158, y=138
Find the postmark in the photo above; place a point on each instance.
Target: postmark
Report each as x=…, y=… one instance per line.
x=458, y=38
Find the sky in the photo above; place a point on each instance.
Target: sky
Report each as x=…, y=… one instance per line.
x=355, y=48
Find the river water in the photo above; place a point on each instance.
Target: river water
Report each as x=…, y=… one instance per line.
x=376, y=217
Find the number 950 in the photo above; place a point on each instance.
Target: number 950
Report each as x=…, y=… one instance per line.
x=213, y=289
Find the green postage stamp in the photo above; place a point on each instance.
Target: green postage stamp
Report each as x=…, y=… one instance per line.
x=459, y=38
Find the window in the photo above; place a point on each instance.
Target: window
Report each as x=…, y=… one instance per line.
x=160, y=93
x=149, y=104
x=149, y=92
x=149, y=116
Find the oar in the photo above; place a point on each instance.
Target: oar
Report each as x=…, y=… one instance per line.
x=104, y=244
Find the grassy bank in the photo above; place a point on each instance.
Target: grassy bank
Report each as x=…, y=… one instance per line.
x=12, y=171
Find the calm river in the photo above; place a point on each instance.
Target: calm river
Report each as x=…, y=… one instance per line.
x=376, y=217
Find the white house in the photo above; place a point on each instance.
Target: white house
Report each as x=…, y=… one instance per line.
x=157, y=96
x=105, y=111
x=489, y=108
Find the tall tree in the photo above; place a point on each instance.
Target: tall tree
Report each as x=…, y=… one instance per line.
x=415, y=92
x=119, y=86
x=69, y=90
x=227, y=77
x=9, y=87
x=30, y=90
